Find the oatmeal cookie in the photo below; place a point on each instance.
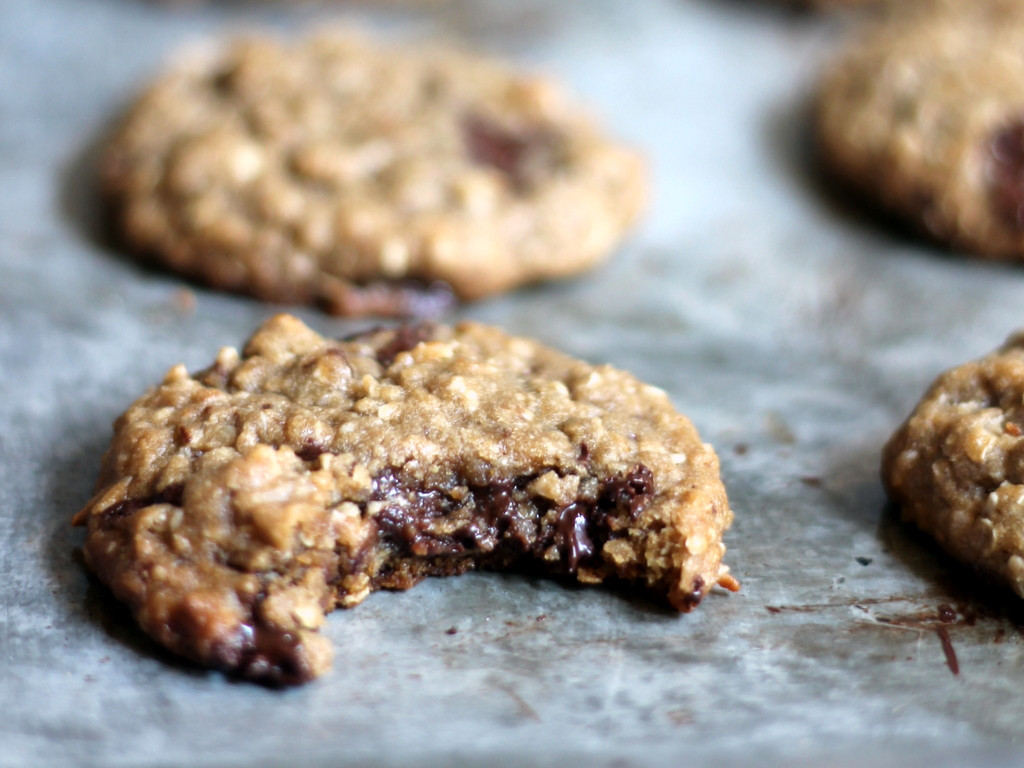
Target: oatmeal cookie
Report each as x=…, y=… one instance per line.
x=237, y=506
x=956, y=466
x=365, y=178
x=923, y=116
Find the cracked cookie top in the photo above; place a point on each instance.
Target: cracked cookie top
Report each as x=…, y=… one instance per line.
x=236, y=506
x=365, y=178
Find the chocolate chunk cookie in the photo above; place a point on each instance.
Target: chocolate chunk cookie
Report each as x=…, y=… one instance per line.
x=924, y=116
x=365, y=178
x=956, y=466
x=237, y=506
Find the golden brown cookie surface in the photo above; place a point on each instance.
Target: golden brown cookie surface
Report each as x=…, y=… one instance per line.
x=956, y=466
x=237, y=506
x=337, y=170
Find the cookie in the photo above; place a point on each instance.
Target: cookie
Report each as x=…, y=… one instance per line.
x=826, y=5
x=923, y=116
x=956, y=466
x=236, y=506
x=365, y=178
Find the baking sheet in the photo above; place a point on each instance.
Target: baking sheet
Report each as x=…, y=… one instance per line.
x=794, y=332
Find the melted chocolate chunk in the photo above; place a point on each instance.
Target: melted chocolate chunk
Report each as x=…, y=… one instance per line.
x=630, y=492
x=502, y=519
x=407, y=521
x=1006, y=172
x=407, y=525
x=496, y=501
x=517, y=155
x=496, y=505
x=572, y=531
x=264, y=654
x=172, y=494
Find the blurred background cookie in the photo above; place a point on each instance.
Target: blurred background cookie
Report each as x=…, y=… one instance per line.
x=365, y=178
x=923, y=116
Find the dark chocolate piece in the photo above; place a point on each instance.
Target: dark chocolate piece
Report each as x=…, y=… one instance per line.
x=172, y=494
x=1006, y=172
